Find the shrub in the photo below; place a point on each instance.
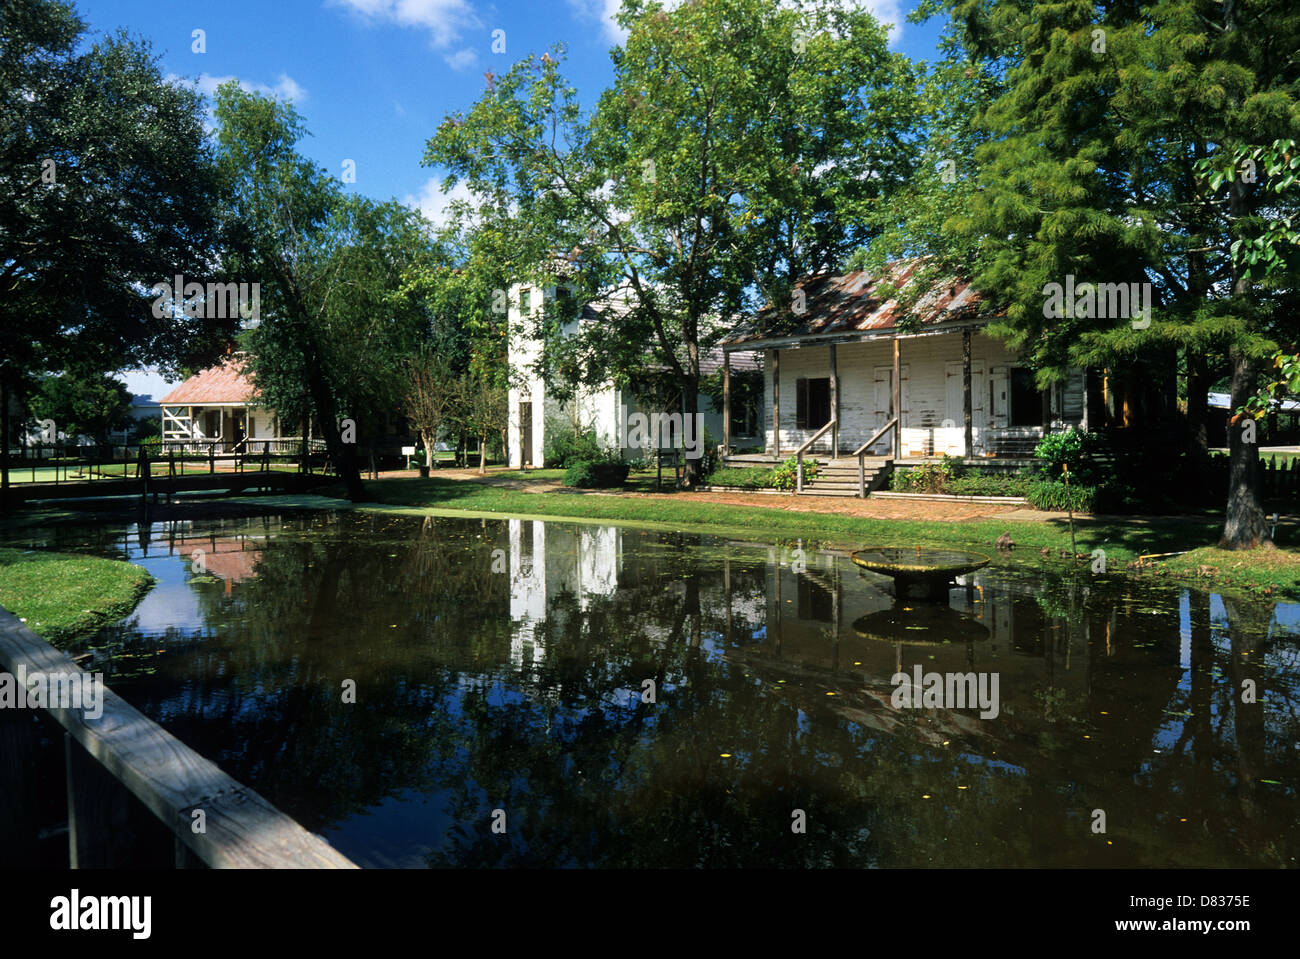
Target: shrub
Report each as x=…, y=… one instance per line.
x=747, y=477
x=566, y=446
x=596, y=474
x=1072, y=448
x=954, y=478
x=783, y=477
x=1050, y=495
x=926, y=478
x=989, y=485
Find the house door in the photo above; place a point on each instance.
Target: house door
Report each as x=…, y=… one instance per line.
x=526, y=433
x=998, y=391
x=883, y=394
x=955, y=406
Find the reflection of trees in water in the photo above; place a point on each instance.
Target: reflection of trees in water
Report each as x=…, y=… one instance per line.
x=590, y=775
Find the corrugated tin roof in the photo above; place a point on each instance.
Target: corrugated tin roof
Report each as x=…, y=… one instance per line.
x=223, y=383
x=742, y=361
x=856, y=303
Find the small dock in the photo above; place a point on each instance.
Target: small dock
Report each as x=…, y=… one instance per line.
x=227, y=482
x=94, y=472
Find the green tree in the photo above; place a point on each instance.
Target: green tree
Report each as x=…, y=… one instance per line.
x=80, y=403
x=480, y=411
x=1091, y=168
x=335, y=328
x=107, y=186
x=431, y=396
x=738, y=149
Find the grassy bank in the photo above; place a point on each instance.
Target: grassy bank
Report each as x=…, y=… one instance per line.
x=1124, y=539
x=62, y=596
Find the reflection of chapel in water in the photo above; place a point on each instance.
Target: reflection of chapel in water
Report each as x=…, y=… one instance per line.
x=549, y=559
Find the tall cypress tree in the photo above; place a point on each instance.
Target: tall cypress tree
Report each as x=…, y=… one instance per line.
x=1095, y=167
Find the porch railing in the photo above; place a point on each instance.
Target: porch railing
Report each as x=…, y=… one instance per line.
x=861, y=454
x=799, y=454
x=60, y=463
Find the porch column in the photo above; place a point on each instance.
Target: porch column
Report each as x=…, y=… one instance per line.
x=776, y=403
x=1087, y=405
x=967, y=448
x=835, y=406
x=726, y=403
x=898, y=400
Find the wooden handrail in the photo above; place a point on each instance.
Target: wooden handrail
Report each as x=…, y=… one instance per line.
x=241, y=829
x=861, y=450
x=798, y=474
x=861, y=454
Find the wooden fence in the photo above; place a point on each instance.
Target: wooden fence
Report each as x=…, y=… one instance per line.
x=1279, y=480
x=124, y=752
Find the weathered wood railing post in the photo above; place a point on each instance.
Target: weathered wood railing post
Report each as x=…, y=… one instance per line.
x=117, y=749
x=19, y=738
x=98, y=829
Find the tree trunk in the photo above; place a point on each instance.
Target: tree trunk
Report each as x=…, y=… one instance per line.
x=428, y=447
x=1198, y=385
x=690, y=410
x=1244, y=526
x=4, y=439
x=343, y=454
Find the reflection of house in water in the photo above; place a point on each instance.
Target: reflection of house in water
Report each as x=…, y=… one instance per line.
x=809, y=618
x=232, y=558
x=548, y=560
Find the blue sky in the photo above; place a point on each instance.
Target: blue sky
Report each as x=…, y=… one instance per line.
x=374, y=78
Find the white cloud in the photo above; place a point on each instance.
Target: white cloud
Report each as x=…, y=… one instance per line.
x=445, y=20
x=285, y=88
x=602, y=12
x=461, y=58
x=434, y=203
x=888, y=12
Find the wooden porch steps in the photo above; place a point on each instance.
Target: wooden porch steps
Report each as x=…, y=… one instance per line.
x=837, y=476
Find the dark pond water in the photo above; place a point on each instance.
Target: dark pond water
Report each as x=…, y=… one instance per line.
x=500, y=672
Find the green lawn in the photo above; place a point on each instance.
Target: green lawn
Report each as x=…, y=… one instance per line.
x=1122, y=538
x=62, y=596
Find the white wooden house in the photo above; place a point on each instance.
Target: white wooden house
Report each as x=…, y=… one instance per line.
x=607, y=410
x=847, y=377
x=217, y=405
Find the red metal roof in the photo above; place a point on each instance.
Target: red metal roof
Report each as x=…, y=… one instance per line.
x=223, y=383
x=856, y=303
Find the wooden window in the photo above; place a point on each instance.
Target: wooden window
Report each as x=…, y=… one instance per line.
x=812, y=409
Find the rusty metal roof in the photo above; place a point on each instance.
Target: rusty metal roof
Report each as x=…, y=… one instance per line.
x=742, y=361
x=224, y=383
x=859, y=303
